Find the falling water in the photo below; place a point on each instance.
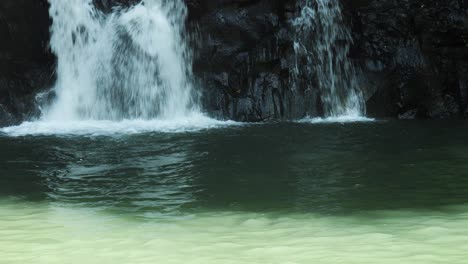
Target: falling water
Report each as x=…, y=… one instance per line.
x=120, y=73
x=324, y=40
x=130, y=64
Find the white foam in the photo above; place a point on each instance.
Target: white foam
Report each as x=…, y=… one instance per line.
x=195, y=122
x=336, y=119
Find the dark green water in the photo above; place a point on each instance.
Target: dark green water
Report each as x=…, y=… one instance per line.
x=351, y=182
x=328, y=169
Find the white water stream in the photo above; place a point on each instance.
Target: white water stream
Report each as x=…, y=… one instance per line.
x=324, y=40
x=130, y=71
x=131, y=64
x=124, y=72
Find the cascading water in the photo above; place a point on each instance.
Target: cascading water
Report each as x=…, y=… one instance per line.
x=124, y=72
x=323, y=39
x=130, y=64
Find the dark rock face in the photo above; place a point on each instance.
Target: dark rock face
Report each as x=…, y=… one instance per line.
x=26, y=65
x=245, y=58
x=414, y=54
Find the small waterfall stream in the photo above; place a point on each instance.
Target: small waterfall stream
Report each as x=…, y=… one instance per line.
x=130, y=64
x=324, y=40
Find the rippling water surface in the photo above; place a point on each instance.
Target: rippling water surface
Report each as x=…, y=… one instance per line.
x=381, y=192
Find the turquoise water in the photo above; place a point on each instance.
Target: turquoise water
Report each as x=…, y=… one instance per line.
x=380, y=192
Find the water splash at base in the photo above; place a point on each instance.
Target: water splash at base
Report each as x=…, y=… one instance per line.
x=336, y=119
x=191, y=123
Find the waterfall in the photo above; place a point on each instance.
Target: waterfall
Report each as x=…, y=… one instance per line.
x=121, y=72
x=322, y=38
x=130, y=64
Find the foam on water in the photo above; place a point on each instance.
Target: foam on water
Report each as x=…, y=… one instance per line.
x=336, y=119
x=42, y=233
x=194, y=122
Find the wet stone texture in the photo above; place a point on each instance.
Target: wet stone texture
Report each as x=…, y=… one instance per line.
x=413, y=55
x=244, y=60
x=26, y=65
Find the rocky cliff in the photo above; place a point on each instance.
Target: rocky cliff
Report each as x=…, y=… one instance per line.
x=245, y=58
x=413, y=55
x=26, y=65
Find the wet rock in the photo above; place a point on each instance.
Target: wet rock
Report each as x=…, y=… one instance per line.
x=244, y=60
x=414, y=55
x=411, y=114
x=5, y=117
x=26, y=63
